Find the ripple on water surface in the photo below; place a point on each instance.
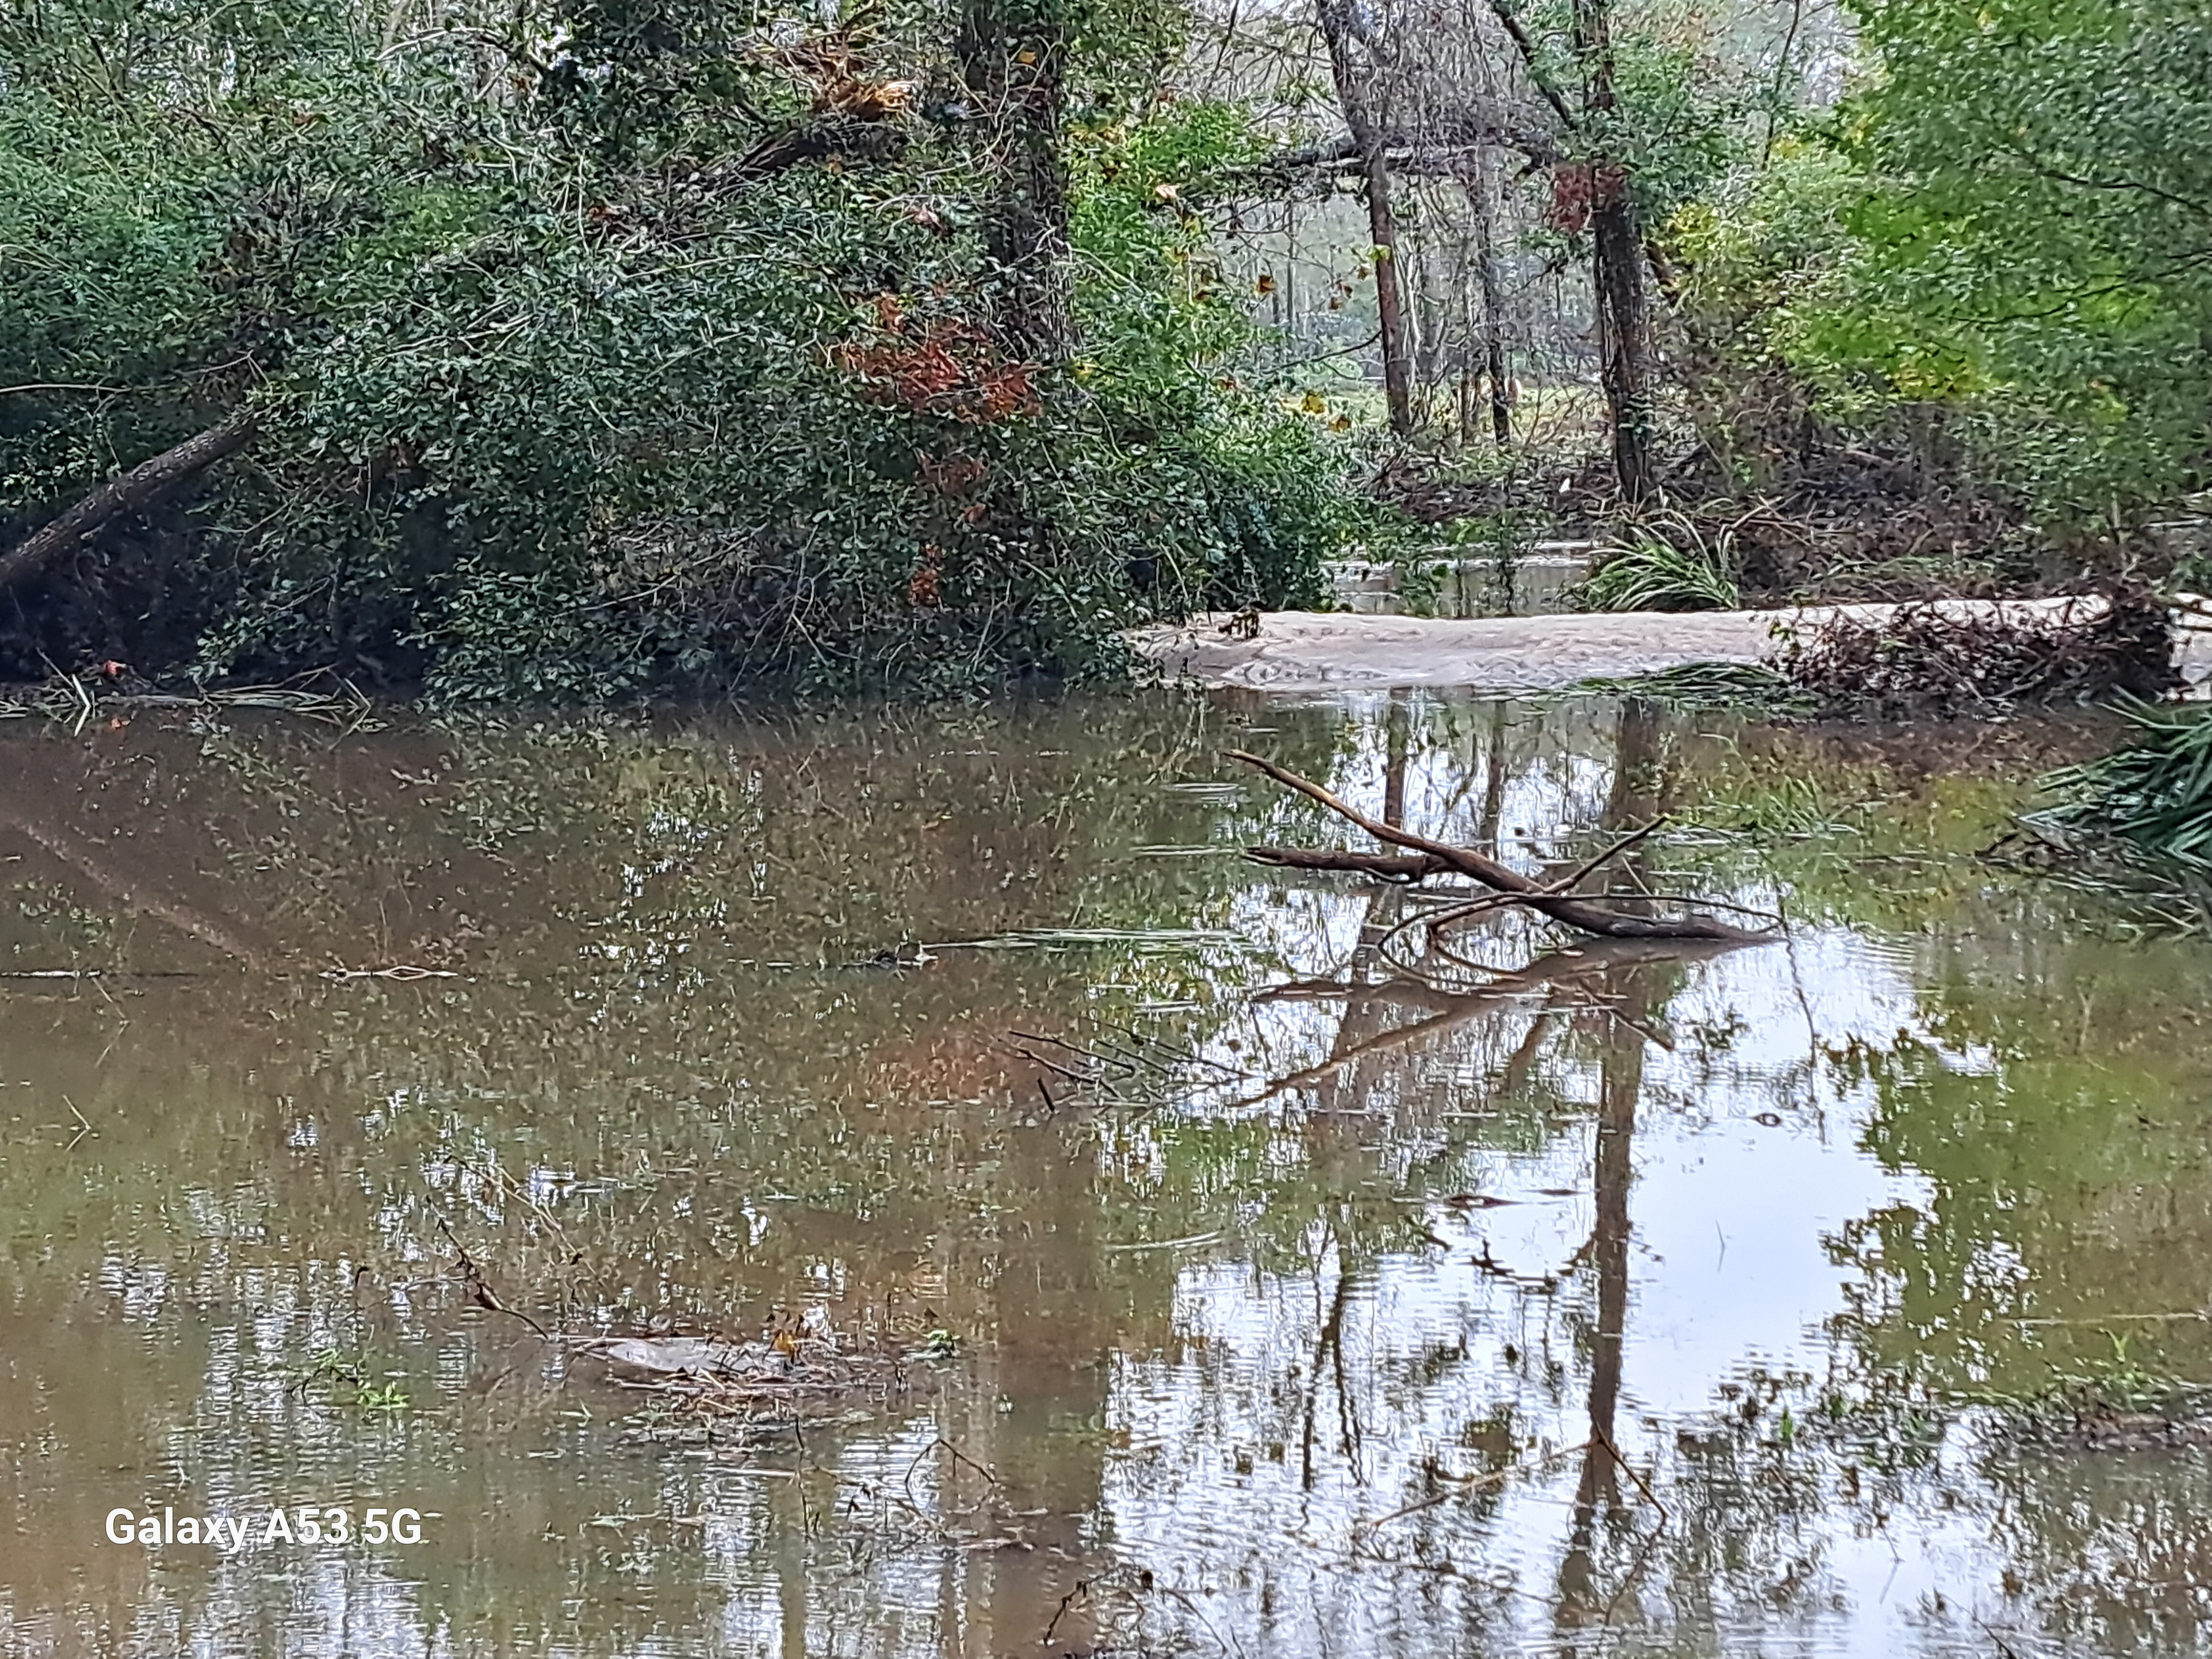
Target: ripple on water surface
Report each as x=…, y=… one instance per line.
x=1259, y=1299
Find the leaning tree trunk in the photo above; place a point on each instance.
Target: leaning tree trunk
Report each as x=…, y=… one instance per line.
x=1624, y=306
x=143, y=485
x=1339, y=24
x=1013, y=56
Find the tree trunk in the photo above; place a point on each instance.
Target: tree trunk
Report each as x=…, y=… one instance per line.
x=1389, y=297
x=135, y=490
x=1013, y=56
x=1624, y=327
x=1339, y=25
x=1624, y=306
x=1485, y=194
x=1442, y=274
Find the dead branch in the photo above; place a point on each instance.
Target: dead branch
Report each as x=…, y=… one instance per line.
x=135, y=490
x=1442, y=145
x=846, y=135
x=1384, y=866
x=479, y=1290
x=1532, y=61
x=1545, y=899
x=1557, y=970
x=1582, y=872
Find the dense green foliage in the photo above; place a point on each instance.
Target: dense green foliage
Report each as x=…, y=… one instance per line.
x=631, y=342
x=651, y=345
x=2040, y=241
x=2002, y=237
x=2154, y=795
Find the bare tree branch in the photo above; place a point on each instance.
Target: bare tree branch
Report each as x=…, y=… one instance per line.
x=1439, y=147
x=1546, y=900
x=1506, y=15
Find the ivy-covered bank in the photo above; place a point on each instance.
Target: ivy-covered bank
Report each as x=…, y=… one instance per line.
x=631, y=342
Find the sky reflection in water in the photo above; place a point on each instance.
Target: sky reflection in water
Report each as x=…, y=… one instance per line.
x=1322, y=1366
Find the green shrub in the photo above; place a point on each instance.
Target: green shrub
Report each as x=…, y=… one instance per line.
x=555, y=404
x=1680, y=569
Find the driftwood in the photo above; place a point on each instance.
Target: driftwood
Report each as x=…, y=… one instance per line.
x=1555, y=899
x=140, y=488
x=1937, y=660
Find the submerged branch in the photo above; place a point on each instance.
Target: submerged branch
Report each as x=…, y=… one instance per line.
x=1385, y=867
x=1439, y=856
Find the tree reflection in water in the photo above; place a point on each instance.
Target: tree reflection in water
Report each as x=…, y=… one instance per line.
x=1292, y=1354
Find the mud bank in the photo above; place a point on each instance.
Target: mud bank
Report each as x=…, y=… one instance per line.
x=1315, y=650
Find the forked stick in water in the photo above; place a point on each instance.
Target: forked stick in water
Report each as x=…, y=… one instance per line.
x=1438, y=857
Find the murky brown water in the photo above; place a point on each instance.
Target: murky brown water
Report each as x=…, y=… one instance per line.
x=1308, y=1342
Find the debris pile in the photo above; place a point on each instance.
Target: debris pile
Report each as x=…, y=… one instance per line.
x=788, y=1382
x=1945, y=659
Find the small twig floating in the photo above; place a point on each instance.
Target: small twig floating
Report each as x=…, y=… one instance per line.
x=1427, y=856
x=405, y=972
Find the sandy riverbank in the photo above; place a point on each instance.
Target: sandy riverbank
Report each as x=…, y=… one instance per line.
x=1317, y=651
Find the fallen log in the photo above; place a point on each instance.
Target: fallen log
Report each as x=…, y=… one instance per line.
x=1443, y=143
x=135, y=490
x=1556, y=899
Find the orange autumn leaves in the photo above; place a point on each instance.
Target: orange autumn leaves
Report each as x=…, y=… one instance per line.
x=938, y=365
x=949, y=369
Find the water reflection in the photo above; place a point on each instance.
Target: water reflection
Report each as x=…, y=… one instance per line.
x=1595, y=1305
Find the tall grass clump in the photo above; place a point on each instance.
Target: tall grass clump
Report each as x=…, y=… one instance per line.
x=1666, y=564
x=2154, y=795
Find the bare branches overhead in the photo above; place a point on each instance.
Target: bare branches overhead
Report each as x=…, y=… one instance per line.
x=1444, y=147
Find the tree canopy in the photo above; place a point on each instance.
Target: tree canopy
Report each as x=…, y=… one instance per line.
x=578, y=349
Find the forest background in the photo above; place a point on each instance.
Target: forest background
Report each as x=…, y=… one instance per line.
x=573, y=349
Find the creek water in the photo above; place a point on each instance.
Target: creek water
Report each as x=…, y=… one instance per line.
x=1594, y=1302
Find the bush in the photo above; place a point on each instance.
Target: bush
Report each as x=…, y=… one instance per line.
x=560, y=400
x=1679, y=570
